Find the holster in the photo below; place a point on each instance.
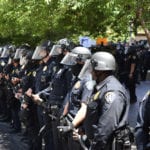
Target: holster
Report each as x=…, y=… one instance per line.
x=123, y=139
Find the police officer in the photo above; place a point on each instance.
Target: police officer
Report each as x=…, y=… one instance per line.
x=103, y=117
x=119, y=56
x=76, y=97
x=146, y=63
x=17, y=75
x=3, y=105
x=130, y=68
x=44, y=75
x=28, y=113
x=143, y=124
x=7, y=67
x=61, y=84
x=58, y=78
x=14, y=102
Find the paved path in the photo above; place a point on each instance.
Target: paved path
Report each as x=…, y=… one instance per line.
x=141, y=89
x=9, y=141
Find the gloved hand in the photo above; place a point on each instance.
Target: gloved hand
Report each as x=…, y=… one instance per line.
x=65, y=129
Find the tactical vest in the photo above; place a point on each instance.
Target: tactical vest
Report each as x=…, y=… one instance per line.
x=59, y=86
x=47, y=73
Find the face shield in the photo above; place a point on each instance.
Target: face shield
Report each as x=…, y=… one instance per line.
x=5, y=53
x=10, y=60
x=69, y=59
x=86, y=69
x=1, y=50
x=56, y=50
x=23, y=60
x=39, y=53
x=19, y=53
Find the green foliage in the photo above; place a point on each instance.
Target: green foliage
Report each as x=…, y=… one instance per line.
x=33, y=20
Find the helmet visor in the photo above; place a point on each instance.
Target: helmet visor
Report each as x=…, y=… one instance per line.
x=69, y=59
x=1, y=50
x=56, y=50
x=23, y=60
x=19, y=53
x=5, y=53
x=39, y=53
x=86, y=69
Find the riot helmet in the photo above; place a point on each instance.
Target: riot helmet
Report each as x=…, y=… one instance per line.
x=20, y=53
x=42, y=50
x=100, y=63
x=103, y=61
x=69, y=59
x=82, y=53
x=47, y=45
x=78, y=54
x=86, y=69
x=56, y=50
x=1, y=50
x=66, y=44
x=26, y=57
x=8, y=51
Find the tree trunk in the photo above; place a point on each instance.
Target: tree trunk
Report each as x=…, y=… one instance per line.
x=142, y=22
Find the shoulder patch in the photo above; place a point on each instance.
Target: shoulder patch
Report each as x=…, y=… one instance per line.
x=96, y=96
x=109, y=97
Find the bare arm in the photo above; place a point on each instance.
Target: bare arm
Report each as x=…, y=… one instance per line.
x=80, y=116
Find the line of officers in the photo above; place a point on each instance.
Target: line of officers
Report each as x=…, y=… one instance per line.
x=133, y=64
x=65, y=97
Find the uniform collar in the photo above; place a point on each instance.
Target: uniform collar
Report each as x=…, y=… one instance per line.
x=102, y=83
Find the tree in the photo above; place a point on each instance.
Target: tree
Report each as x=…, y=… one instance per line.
x=32, y=21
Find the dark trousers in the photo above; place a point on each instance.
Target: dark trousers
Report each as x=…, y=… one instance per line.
x=130, y=84
x=15, y=115
x=143, y=73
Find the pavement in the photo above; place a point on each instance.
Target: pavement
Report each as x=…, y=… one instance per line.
x=141, y=90
x=14, y=141
x=10, y=141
